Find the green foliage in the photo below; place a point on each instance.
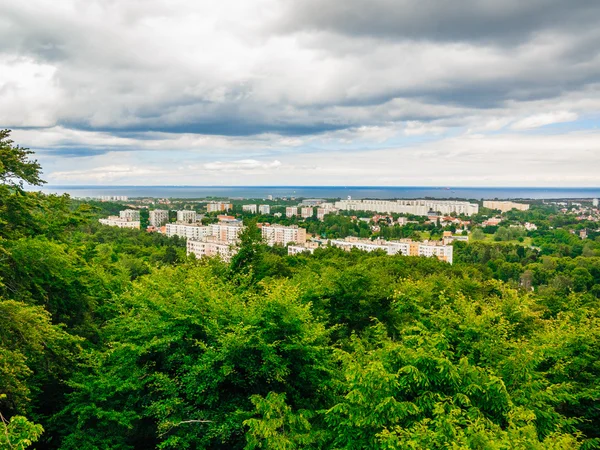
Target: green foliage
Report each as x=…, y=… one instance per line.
x=18, y=433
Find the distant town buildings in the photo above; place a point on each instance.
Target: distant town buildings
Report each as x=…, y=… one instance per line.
x=113, y=198
x=306, y=212
x=210, y=247
x=116, y=221
x=307, y=247
x=129, y=214
x=505, y=205
x=227, y=229
x=264, y=209
x=215, y=239
x=414, y=207
x=195, y=231
x=249, y=209
x=158, y=217
x=405, y=247
x=291, y=211
x=324, y=209
x=282, y=235
x=218, y=206
x=188, y=216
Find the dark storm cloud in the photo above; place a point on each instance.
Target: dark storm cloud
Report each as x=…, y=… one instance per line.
x=494, y=21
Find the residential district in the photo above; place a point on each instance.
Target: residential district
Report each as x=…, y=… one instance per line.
x=215, y=233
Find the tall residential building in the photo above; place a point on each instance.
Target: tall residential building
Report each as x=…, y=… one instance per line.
x=264, y=209
x=280, y=234
x=415, y=207
x=595, y=203
x=129, y=214
x=158, y=217
x=188, y=216
x=325, y=208
x=505, y=206
x=306, y=212
x=249, y=209
x=218, y=206
x=226, y=231
x=116, y=221
x=195, y=231
x=291, y=211
x=211, y=248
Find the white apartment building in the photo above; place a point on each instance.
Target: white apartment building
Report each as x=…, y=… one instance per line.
x=226, y=231
x=116, y=221
x=211, y=248
x=297, y=249
x=404, y=247
x=218, y=206
x=188, y=230
x=291, y=211
x=306, y=212
x=129, y=214
x=438, y=249
x=505, y=206
x=280, y=234
x=188, y=216
x=249, y=209
x=595, y=203
x=415, y=207
x=264, y=209
x=158, y=217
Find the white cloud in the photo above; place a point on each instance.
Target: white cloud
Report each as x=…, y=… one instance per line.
x=243, y=165
x=540, y=120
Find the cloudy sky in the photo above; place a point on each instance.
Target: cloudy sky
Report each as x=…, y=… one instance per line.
x=305, y=92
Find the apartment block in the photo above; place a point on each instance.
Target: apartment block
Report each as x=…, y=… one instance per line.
x=404, y=247
x=291, y=211
x=282, y=235
x=415, y=207
x=158, y=217
x=116, y=221
x=249, y=209
x=218, y=206
x=188, y=216
x=505, y=206
x=129, y=214
x=187, y=230
x=211, y=248
x=307, y=211
x=307, y=247
x=264, y=209
x=226, y=231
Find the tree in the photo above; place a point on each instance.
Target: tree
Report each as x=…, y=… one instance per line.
x=250, y=254
x=15, y=166
x=477, y=234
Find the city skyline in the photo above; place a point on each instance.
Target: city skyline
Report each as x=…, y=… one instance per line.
x=335, y=93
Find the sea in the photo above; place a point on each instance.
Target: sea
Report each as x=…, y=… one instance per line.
x=327, y=192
